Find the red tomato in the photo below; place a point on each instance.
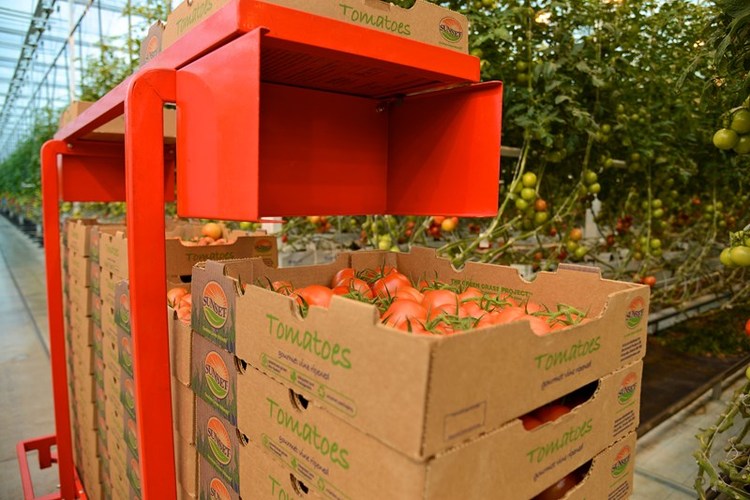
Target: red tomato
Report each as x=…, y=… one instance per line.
x=532, y=307
x=530, y=422
x=470, y=309
x=372, y=275
x=388, y=285
x=187, y=299
x=551, y=412
x=403, y=312
x=747, y=327
x=649, y=280
x=488, y=319
x=448, y=309
x=436, y=298
x=509, y=314
x=360, y=287
x=341, y=290
x=315, y=295
x=342, y=275
x=538, y=325
x=559, y=489
x=409, y=292
x=174, y=296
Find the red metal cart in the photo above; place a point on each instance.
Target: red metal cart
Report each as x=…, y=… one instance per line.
x=397, y=126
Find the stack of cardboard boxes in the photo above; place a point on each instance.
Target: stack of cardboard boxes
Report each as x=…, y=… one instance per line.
x=99, y=343
x=336, y=405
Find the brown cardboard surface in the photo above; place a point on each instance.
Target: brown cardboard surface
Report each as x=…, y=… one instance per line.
x=441, y=390
x=218, y=442
x=110, y=352
x=127, y=393
x=184, y=410
x=322, y=449
x=423, y=22
x=180, y=344
x=77, y=235
x=182, y=257
x=115, y=128
x=186, y=460
x=151, y=44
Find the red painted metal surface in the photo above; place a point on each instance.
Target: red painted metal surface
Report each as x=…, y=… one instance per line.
x=47, y=458
x=50, y=154
x=145, y=184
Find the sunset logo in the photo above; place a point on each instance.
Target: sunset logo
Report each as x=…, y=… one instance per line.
x=218, y=440
x=217, y=490
x=217, y=374
x=125, y=309
x=627, y=388
x=450, y=29
x=214, y=305
x=621, y=462
x=129, y=394
x=635, y=313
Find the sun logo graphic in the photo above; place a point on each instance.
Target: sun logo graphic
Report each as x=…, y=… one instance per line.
x=217, y=375
x=218, y=441
x=621, y=462
x=217, y=490
x=214, y=304
x=627, y=388
x=635, y=313
x=450, y=29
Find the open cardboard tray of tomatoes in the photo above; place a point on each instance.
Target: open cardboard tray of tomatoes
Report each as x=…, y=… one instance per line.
x=420, y=394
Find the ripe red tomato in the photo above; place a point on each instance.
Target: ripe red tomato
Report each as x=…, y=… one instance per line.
x=649, y=280
x=551, y=412
x=747, y=327
x=538, y=325
x=469, y=294
x=575, y=234
x=403, y=312
x=372, y=275
x=559, y=489
x=282, y=286
x=388, y=285
x=530, y=422
x=437, y=298
x=174, y=296
x=409, y=292
x=314, y=295
x=509, y=314
x=470, y=309
x=341, y=276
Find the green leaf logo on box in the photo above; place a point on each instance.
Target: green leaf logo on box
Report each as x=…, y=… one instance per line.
x=450, y=29
x=217, y=490
x=129, y=395
x=621, y=462
x=635, y=312
x=124, y=310
x=130, y=434
x=218, y=441
x=217, y=375
x=627, y=388
x=214, y=304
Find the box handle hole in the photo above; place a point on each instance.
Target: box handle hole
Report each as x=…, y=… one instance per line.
x=298, y=486
x=298, y=401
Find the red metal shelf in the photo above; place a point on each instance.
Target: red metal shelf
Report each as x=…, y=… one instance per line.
x=273, y=118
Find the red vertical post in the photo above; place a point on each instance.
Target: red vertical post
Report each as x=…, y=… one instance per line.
x=144, y=183
x=52, y=257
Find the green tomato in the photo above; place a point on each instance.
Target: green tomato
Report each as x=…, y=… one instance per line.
x=741, y=121
x=522, y=204
x=528, y=194
x=529, y=180
x=725, y=138
x=740, y=255
x=384, y=245
x=540, y=218
x=656, y=203
x=655, y=243
x=580, y=252
x=595, y=188
x=571, y=246
x=726, y=257
x=658, y=213
x=743, y=145
x=590, y=177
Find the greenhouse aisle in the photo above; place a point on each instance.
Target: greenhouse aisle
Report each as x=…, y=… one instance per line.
x=26, y=389
x=665, y=468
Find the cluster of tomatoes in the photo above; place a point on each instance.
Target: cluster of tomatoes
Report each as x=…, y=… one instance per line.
x=738, y=253
x=737, y=135
x=211, y=234
x=534, y=209
x=430, y=306
x=181, y=300
x=440, y=225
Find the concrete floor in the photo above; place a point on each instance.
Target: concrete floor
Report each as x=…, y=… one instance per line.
x=665, y=469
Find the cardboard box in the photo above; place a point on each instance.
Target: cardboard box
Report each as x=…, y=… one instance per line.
x=125, y=350
x=95, y=271
x=211, y=484
x=423, y=22
x=117, y=451
x=181, y=257
x=94, y=237
x=213, y=377
x=77, y=235
x=127, y=393
x=180, y=347
x=183, y=410
x=218, y=442
x=79, y=269
x=186, y=462
x=110, y=353
x=320, y=448
x=115, y=128
x=133, y=473
x=344, y=360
